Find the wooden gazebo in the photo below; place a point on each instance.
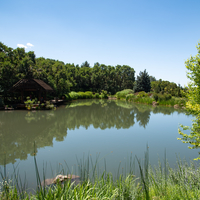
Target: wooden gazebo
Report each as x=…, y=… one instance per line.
x=25, y=86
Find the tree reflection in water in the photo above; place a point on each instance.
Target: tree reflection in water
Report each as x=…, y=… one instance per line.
x=20, y=129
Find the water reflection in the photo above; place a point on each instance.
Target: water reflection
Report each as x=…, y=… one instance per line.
x=20, y=129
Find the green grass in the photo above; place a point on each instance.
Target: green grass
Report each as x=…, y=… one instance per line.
x=173, y=101
x=160, y=182
x=85, y=95
x=138, y=99
x=148, y=98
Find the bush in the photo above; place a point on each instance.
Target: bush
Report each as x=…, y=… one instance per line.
x=145, y=100
x=73, y=95
x=96, y=95
x=155, y=96
x=81, y=95
x=167, y=96
x=29, y=103
x=162, y=97
x=49, y=105
x=88, y=95
x=130, y=96
x=123, y=93
x=142, y=94
x=104, y=94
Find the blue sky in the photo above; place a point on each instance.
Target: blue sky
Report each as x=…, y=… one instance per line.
x=156, y=35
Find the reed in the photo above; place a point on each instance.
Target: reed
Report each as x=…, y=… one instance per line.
x=160, y=182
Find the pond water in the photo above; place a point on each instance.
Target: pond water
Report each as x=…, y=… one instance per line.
x=108, y=131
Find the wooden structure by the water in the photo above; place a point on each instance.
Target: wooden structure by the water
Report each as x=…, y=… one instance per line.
x=37, y=86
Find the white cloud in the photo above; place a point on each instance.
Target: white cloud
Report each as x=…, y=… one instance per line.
x=21, y=46
x=29, y=45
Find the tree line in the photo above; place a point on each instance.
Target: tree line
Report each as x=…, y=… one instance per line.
x=16, y=64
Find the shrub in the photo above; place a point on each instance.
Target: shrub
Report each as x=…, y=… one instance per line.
x=49, y=105
x=130, y=96
x=145, y=100
x=167, y=96
x=123, y=93
x=88, y=95
x=142, y=94
x=29, y=103
x=162, y=97
x=155, y=96
x=104, y=94
x=81, y=95
x=73, y=95
x=96, y=95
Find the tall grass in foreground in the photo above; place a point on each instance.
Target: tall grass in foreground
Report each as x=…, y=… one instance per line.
x=160, y=182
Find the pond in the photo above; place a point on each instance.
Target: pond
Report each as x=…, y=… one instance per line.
x=107, y=131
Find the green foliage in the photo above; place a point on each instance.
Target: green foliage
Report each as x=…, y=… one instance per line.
x=142, y=94
x=129, y=97
x=168, y=100
x=16, y=64
x=155, y=96
x=158, y=182
x=152, y=78
x=162, y=97
x=166, y=87
x=89, y=95
x=80, y=95
x=143, y=82
x=124, y=93
x=85, y=95
x=73, y=95
x=141, y=97
x=144, y=100
x=96, y=95
x=49, y=105
x=104, y=94
x=29, y=103
x=193, y=103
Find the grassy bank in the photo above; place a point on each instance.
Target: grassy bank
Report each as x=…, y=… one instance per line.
x=152, y=98
x=85, y=95
x=161, y=182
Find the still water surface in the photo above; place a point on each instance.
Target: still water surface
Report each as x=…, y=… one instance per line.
x=109, y=130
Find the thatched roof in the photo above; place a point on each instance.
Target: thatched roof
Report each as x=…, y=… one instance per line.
x=30, y=85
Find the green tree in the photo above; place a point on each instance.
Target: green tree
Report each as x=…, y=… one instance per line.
x=152, y=78
x=85, y=64
x=143, y=82
x=193, y=104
